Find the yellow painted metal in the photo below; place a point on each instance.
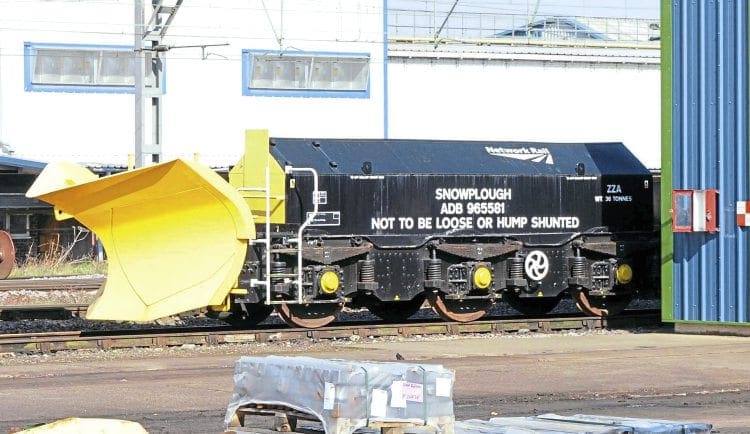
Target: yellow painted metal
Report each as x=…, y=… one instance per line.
x=175, y=234
x=624, y=273
x=59, y=176
x=225, y=305
x=90, y=425
x=482, y=277
x=248, y=176
x=329, y=282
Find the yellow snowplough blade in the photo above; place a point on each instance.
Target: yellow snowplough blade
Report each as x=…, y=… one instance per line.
x=175, y=234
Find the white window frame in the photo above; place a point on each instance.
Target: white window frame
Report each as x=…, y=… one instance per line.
x=94, y=81
x=296, y=74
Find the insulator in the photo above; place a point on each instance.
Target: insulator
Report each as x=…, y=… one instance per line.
x=277, y=268
x=433, y=269
x=367, y=270
x=515, y=267
x=577, y=266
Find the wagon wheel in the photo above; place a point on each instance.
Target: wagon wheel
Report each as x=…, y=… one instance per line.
x=308, y=316
x=395, y=311
x=7, y=255
x=600, y=305
x=458, y=310
x=531, y=305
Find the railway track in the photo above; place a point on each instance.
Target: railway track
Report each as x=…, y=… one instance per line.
x=48, y=297
x=74, y=340
x=52, y=284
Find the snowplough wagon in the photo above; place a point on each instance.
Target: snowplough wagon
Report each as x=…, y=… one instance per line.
x=306, y=227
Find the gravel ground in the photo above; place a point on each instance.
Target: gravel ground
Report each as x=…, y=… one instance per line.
x=48, y=297
x=280, y=347
x=620, y=373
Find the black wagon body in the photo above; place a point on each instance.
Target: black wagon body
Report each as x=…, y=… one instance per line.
x=421, y=207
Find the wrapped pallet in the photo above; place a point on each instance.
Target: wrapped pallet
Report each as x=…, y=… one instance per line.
x=344, y=395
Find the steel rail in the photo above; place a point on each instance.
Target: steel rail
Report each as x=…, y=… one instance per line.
x=33, y=307
x=74, y=340
x=47, y=284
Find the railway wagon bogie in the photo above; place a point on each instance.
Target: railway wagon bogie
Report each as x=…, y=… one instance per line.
x=307, y=227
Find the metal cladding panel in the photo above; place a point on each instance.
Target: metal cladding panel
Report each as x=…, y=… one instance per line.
x=340, y=156
x=707, y=62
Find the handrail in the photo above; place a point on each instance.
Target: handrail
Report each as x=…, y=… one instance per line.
x=310, y=217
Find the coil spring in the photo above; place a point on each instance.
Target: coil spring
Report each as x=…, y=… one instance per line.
x=515, y=267
x=577, y=266
x=433, y=269
x=277, y=268
x=367, y=270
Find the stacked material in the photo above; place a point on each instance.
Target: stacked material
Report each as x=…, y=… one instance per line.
x=345, y=395
x=579, y=423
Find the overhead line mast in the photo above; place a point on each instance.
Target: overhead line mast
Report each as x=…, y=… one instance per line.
x=148, y=76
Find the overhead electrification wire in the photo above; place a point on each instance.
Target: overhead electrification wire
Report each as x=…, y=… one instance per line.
x=237, y=33
x=474, y=6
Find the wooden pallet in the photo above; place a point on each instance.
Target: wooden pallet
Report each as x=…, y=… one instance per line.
x=285, y=419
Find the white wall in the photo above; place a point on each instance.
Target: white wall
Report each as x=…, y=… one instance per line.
x=49, y=126
x=205, y=111
x=527, y=101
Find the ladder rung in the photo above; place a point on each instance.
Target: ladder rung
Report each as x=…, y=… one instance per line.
x=283, y=275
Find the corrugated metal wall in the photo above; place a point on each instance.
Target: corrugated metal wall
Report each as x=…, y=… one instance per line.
x=705, y=87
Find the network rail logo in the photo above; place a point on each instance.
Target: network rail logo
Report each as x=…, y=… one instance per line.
x=536, y=155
